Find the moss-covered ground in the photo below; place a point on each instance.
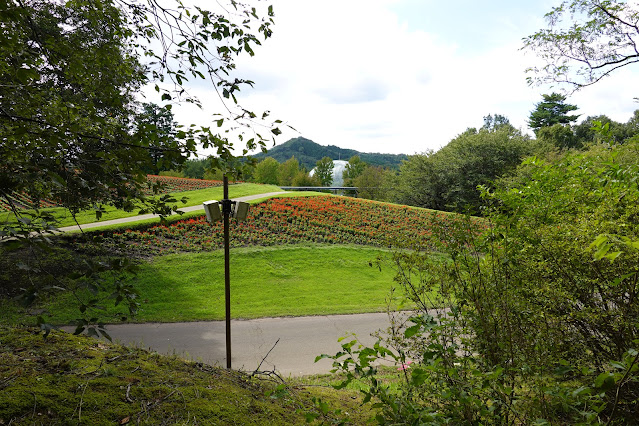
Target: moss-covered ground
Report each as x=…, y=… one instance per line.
x=70, y=380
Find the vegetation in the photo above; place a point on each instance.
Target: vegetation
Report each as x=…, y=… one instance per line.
x=308, y=153
x=76, y=380
x=277, y=221
x=86, y=142
x=529, y=315
x=543, y=319
x=324, y=171
x=267, y=282
x=448, y=179
x=552, y=110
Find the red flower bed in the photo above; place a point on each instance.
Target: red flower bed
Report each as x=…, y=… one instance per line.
x=178, y=184
x=331, y=220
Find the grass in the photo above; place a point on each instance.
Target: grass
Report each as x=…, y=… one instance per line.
x=77, y=380
x=195, y=198
x=265, y=282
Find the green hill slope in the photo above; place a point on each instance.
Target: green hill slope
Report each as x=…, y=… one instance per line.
x=78, y=380
x=308, y=152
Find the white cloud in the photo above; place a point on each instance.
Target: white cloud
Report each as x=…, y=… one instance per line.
x=357, y=75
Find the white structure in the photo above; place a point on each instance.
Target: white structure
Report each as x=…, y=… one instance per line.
x=338, y=169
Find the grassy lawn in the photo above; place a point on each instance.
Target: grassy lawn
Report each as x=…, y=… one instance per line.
x=194, y=198
x=265, y=282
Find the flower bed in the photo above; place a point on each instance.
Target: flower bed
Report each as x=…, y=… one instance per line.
x=328, y=220
x=170, y=184
x=178, y=184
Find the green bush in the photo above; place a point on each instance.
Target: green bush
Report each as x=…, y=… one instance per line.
x=542, y=324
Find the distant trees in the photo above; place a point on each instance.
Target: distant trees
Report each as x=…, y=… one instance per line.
x=287, y=171
x=267, y=171
x=156, y=128
x=492, y=123
x=353, y=169
x=324, y=171
x=373, y=183
x=448, y=179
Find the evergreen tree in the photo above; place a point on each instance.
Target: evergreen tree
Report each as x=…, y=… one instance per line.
x=552, y=110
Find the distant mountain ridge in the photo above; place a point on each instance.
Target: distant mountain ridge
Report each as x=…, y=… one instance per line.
x=308, y=153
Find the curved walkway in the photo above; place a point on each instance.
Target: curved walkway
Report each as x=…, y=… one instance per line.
x=151, y=216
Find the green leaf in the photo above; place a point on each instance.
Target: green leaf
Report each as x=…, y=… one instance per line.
x=418, y=376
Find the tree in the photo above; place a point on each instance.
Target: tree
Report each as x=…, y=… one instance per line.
x=560, y=136
x=618, y=132
x=552, y=110
x=266, y=171
x=448, y=179
x=287, y=171
x=71, y=73
x=493, y=123
x=195, y=168
x=302, y=178
x=586, y=41
x=354, y=168
x=324, y=171
x=373, y=183
x=156, y=124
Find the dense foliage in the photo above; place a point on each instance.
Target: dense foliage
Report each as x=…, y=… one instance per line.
x=448, y=179
x=544, y=314
x=324, y=171
x=71, y=72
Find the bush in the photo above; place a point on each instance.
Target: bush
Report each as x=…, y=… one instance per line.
x=543, y=316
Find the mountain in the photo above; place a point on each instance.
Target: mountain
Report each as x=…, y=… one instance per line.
x=308, y=152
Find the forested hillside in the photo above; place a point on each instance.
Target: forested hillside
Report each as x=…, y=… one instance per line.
x=308, y=153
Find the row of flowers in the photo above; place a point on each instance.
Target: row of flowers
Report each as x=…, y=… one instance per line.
x=168, y=184
x=331, y=220
x=23, y=201
x=178, y=184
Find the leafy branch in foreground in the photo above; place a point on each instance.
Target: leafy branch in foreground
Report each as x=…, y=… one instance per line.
x=72, y=73
x=586, y=40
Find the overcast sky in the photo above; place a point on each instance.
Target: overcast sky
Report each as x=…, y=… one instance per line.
x=404, y=76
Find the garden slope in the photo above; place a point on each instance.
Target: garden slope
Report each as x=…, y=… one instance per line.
x=280, y=221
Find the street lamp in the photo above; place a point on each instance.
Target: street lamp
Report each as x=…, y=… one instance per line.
x=238, y=210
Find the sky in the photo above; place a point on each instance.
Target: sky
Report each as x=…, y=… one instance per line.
x=403, y=76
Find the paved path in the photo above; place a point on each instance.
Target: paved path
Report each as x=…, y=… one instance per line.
x=301, y=339
x=151, y=216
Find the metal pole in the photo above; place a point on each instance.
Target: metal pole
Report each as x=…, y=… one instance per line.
x=226, y=209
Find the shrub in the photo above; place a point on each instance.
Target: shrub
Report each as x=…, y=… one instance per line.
x=543, y=308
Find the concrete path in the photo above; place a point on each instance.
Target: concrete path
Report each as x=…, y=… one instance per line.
x=151, y=216
x=301, y=339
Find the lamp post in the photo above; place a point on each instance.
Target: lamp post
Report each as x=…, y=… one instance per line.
x=239, y=210
x=226, y=211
